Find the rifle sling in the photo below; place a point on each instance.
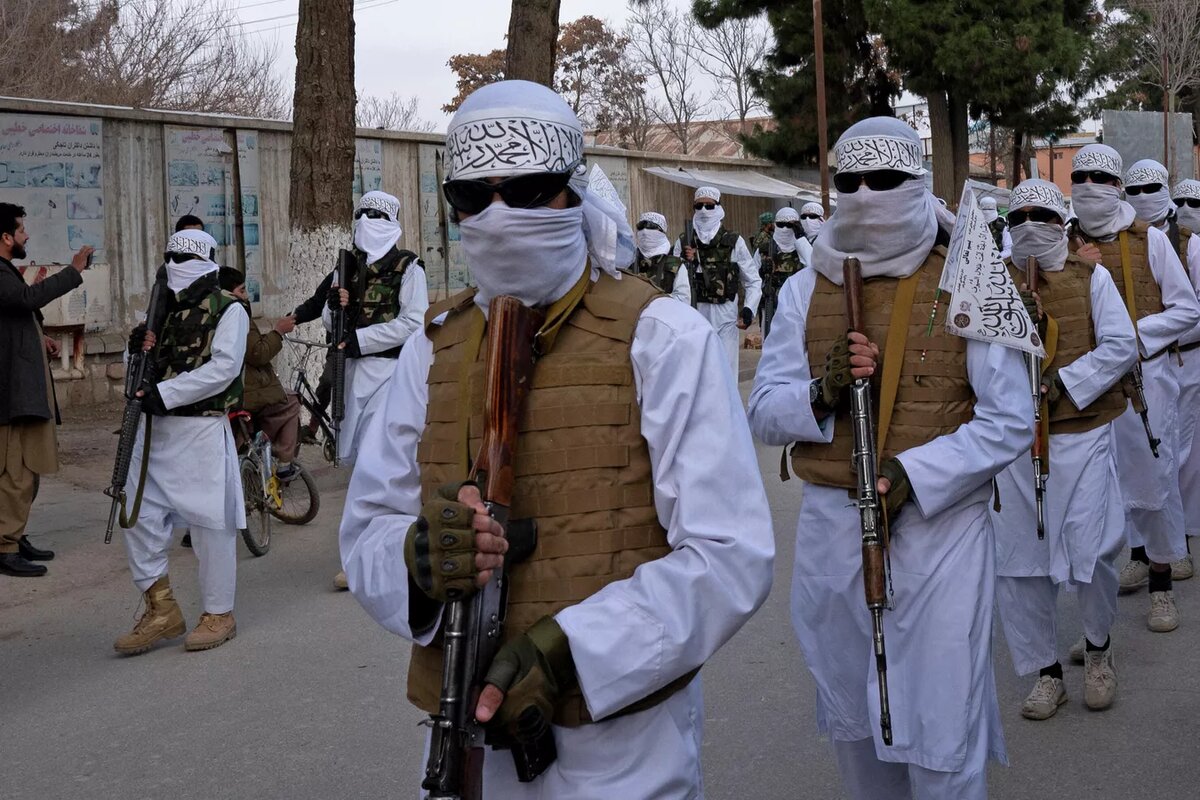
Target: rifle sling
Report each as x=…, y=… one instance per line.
x=893, y=359
x=129, y=520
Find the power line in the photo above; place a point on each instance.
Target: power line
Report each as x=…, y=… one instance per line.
x=359, y=5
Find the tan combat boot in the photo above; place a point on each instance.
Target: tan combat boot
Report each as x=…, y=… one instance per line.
x=213, y=630
x=161, y=620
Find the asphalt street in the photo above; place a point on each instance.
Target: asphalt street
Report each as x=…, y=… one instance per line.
x=308, y=701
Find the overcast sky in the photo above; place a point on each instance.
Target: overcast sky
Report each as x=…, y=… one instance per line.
x=403, y=45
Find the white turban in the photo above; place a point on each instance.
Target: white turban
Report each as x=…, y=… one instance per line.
x=1101, y=211
x=649, y=241
x=708, y=193
x=1188, y=216
x=988, y=206
x=195, y=243
x=376, y=237
x=812, y=226
x=1043, y=240
x=706, y=222
x=787, y=214
x=1040, y=194
x=1152, y=207
x=785, y=237
x=813, y=208
x=1099, y=157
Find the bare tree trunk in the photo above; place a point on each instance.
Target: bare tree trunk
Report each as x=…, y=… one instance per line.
x=962, y=146
x=322, y=158
x=943, y=147
x=1014, y=172
x=532, y=37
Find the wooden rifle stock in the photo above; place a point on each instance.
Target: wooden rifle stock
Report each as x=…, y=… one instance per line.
x=473, y=627
x=872, y=519
x=1038, y=453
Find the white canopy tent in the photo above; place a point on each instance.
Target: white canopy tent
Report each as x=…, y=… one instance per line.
x=740, y=182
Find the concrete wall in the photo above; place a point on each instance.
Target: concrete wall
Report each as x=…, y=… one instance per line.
x=137, y=221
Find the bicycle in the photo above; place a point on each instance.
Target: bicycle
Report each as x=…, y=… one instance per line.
x=299, y=356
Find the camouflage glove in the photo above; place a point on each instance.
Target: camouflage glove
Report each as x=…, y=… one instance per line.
x=837, y=376
x=439, y=548
x=534, y=671
x=900, y=491
x=1038, y=317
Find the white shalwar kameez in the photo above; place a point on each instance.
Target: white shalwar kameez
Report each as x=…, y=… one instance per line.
x=193, y=477
x=635, y=635
x=945, y=716
x=724, y=316
x=367, y=377
x=1085, y=522
x=1149, y=485
x=1189, y=408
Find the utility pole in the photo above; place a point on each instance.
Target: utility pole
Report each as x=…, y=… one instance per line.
x=822, y=124
x=1166, y=65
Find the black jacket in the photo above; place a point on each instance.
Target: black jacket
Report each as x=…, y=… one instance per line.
x=311, y=308
x=23, y=390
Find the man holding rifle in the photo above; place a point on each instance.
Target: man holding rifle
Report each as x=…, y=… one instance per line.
x=1091, y=345
x=1162, y=304
x=652, y=547
x=184, y=467
x=952, y=413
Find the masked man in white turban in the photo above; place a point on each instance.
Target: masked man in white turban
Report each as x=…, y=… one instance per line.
x=1186, y=196
x=786, y=254
x=1162, y=304
x=721, y=263
x=654, y=546
x=191, y=476
x=654, y=259
x=997, y=225
x=812, y=217
x=949, y=436
x=1093, y=346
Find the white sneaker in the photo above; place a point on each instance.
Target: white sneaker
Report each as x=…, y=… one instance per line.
x=1164, y=616
x=1134, y=576
x=1182, y=569
x=1043, y=702
x=1077, y=650
x=1099, y=679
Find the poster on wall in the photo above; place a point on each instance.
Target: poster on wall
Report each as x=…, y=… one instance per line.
x=617, y=170
x=368, y=167
x=51, y=166
x=436, y=228
x=200, y=182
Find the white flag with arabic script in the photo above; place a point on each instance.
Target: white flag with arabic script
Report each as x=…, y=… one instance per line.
x=984, y=301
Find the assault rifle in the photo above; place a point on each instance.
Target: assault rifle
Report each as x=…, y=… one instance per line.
x=872, y=519
x=473, y=627
x=345, y=263
x=1040, y=443
x=139, y=374
x=694, y=268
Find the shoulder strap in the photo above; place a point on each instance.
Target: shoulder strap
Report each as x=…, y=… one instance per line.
x=1127, y=278
x=452, y=304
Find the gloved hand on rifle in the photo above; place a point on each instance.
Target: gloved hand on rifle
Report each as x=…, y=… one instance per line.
x=152, y=402
x=337, y=298
x=1033, y=306
x=894, y=486
x=525, y=681
x=453, y=546
x=848, y=360
x=1052, y=385
x=140, y=339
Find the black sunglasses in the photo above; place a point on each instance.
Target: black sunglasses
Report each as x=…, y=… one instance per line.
x=1192, y=202
x=882, y=180
x=812, y=216
x=789, y=226
x=1095, y=175
x=1145, y=188
x=644, y=225
x=179, y=258
x=1037, y=215
x=370, y=213
x=519, y=191
x=706, y=206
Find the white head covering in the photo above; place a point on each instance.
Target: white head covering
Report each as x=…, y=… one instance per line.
x=1044, y=240
x=1187, y=216
x=812, y=226
x=650, y=242
x=1101, y=211
x=786, y=237
x=196, y=243
x=890, y=232
x=376, y=237
x=536, y=254
x=1151, y=208
x=705, y=222
x=988, y=206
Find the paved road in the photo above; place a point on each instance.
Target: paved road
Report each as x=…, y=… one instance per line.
x=308, y=701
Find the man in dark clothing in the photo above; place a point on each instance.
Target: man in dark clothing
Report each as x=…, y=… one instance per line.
x=28, y=411
x=309, y=311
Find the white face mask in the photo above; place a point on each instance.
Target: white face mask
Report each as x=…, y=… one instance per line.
x=785, y=238
x=652, y=243
x=707, y=223
x=1151, y=208
x=1188, y=217
x=375, y=237
x=1044, y=241
x=181, y=276
x=1101, y=212
x=533, y=254
x=811, y=226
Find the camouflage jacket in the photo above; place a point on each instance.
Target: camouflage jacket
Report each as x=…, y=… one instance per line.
x=186, y=343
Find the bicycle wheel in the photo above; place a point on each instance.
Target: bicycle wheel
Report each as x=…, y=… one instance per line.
x=301, y=500
x=257, y=533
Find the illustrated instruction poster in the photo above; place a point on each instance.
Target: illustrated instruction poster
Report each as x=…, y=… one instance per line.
x=51, y=166
x=200, y=182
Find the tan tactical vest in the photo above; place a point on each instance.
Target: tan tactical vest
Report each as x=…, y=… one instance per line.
x=934, y=396
x=1067, y=297
x=1146, y=293
x=582, y=467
